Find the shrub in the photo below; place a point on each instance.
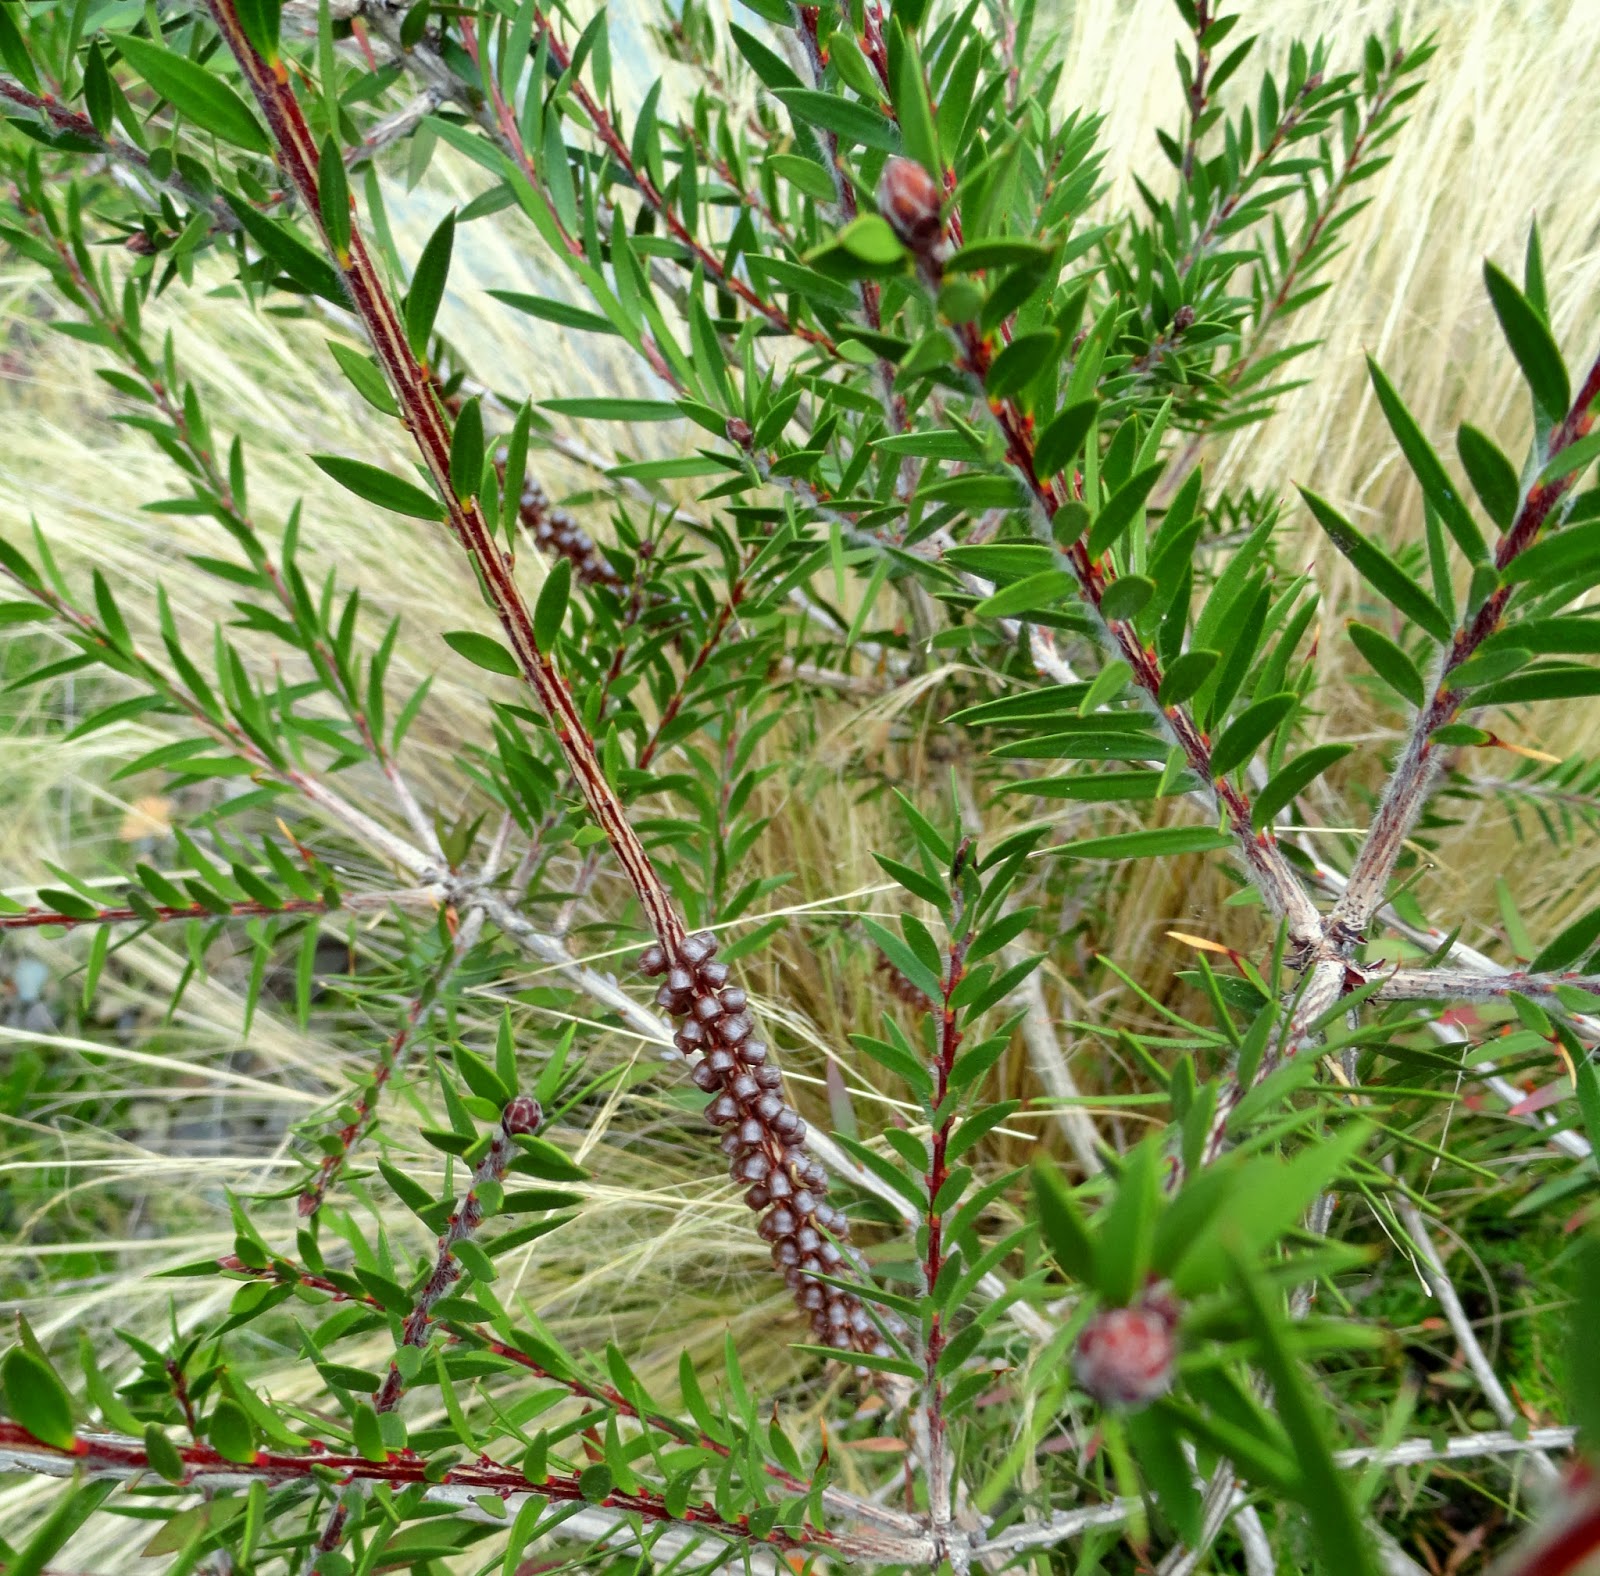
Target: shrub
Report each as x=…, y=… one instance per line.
x=930, y=426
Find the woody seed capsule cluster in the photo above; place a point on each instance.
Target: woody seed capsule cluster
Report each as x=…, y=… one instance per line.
x=555, y=531
x=764, y=1138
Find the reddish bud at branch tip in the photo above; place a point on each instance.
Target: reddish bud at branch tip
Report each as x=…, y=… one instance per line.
x=522, y=1115
x=909, y=198
x=1124, y=1356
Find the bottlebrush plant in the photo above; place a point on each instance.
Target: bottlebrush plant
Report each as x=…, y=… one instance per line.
x=930, y=422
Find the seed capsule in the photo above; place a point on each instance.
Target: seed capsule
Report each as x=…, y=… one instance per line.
x=696, y=949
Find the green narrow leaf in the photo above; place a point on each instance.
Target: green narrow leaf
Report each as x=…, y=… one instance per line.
x=261, y=20
x=333, y=193
x=467, y=450
x=1294, y=778
x=1425, y=465
x=80, y=1501
x=1388, y=661
x=482, y=652
x=1531, y=343
x=1156, y=842
x=1246, y=733
x=1326, y=1494
x=380, y=487
x=1066, y=1233
x=1060, y=441
x=1185, y=675
x=908, y=92
x=1121, y=509
x=15, y=53
x=550, y=611
x=1380, y=571
x=558, y=312
x=1567, y=948
x=1493, y=476
x=194, y=91
x=427, y=285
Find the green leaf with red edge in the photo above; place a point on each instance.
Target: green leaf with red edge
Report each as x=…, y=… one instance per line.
x=14, y=52
x=200, y=95
x=36, y=1398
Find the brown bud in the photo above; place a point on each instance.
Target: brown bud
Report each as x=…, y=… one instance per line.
x=739, y=432
x=522, y=1115
x=653, y=960
x=1183, y=319
x=909, y=198
x=1124, y=1356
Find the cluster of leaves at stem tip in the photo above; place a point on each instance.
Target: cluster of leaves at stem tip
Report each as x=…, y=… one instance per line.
x=910, y=415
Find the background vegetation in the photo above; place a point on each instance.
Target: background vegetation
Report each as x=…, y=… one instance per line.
x=127, y=1124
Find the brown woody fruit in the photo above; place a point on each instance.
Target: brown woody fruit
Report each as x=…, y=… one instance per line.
x=762, y=1136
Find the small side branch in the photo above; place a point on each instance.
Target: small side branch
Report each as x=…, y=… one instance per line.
x=1465, y=985
x=1417, y=768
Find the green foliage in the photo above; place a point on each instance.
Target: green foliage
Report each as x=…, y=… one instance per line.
x=915, y=435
